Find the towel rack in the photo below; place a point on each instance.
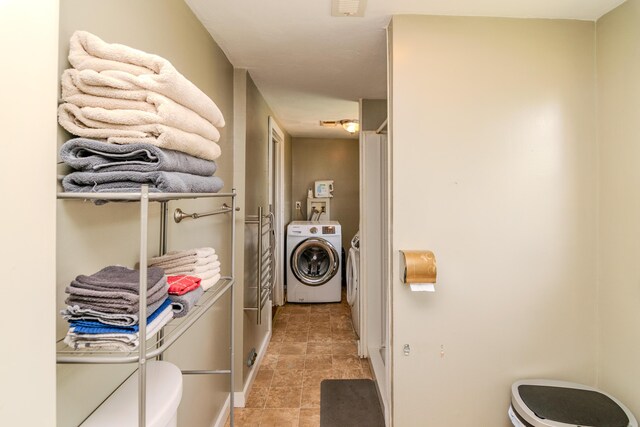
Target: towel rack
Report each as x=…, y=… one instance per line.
x=265, y=259
x=154, y=347
x=179, y=214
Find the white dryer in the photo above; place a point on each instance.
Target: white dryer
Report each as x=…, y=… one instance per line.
x=353, y=281
x=314, y=261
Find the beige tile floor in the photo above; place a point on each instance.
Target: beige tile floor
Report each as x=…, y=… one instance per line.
x=309, y=343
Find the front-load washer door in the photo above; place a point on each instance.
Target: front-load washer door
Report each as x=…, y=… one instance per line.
x=315, y=261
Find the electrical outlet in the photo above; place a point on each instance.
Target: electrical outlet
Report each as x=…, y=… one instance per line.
x=298, y=205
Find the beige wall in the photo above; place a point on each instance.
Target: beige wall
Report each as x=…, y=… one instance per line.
x=257, y=194
x=494, y=159
x=373, y=113
x=91, y=237
x=289, y=206
x=336, y=159
x=618, y=44
x=239, y=158
x=256, y=163
x=28, y=82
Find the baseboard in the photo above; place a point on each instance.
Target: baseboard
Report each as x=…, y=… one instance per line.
x=362, y=349
x=379, y=373
x=239, y=400
x=240, y=397
x=221, y=419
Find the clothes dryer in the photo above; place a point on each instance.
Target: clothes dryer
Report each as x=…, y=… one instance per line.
x=353, y=282
x=314, y=259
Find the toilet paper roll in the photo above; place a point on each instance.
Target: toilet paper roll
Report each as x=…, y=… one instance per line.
x=418, y=267
x=422, y=287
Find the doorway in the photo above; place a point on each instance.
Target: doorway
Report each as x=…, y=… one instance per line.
x=276, y=201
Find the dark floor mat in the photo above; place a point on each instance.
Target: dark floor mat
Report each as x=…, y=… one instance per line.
x=350, y=403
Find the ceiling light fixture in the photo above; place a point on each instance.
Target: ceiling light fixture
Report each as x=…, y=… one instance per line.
x=350, y=125
x=348, y=8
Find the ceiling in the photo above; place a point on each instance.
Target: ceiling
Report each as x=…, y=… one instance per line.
x=310, y=66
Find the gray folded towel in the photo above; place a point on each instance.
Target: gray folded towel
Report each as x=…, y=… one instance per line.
x=74, y=313
x=78, y=289
x=113, y=305
x=126, y=181
x=183, y=303
x=118, y=277
x=91, y=155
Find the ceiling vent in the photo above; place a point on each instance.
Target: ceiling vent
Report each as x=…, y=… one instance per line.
x=349, y=8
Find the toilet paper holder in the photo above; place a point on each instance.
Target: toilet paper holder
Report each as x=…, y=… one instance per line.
x=418, y=269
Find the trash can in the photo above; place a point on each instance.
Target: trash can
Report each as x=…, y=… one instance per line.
x=549, y=403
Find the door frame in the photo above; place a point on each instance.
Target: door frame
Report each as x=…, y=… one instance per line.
x=375, y=291
x=276, y=199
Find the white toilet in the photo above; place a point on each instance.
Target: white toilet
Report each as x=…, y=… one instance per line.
x=164, y=391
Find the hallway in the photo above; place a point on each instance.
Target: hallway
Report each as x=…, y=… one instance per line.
x=309, y=343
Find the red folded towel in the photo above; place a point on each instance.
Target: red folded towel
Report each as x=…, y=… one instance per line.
x=180, y=285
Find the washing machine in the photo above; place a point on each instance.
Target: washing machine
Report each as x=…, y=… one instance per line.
x=314, y=260
x=353, y=281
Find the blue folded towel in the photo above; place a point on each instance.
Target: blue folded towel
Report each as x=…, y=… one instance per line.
x=92, y=327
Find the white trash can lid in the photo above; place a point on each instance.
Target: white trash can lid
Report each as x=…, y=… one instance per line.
x=548, y=403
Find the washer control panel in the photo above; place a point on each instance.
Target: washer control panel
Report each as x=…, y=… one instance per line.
x=328, y=229
x=310, y=229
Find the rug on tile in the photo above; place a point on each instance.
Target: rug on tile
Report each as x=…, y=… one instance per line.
x=352, y=403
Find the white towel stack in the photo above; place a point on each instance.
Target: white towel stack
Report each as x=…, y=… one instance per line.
x=201, y=262
x=124, y=96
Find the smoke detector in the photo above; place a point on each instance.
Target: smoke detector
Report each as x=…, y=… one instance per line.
x=348, y=8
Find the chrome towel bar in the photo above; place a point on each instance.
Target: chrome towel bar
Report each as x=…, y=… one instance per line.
x=179, y=215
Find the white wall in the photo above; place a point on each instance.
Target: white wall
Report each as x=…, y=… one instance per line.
x=28, y=227
x=618, y=44
x=494, y=169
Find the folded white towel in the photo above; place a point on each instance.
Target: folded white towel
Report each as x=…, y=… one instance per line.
x=146, y=71
x=204, y=275
x=182, y=255
x=186, y=263
x=208, y=283
x=85, y=123
x=152, y=109
x=195, y=270
x=81, y=86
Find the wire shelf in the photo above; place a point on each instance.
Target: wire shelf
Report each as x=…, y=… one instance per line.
x=157, y=344
x=135, y=196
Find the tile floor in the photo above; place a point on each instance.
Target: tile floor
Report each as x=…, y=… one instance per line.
x=309, y=343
